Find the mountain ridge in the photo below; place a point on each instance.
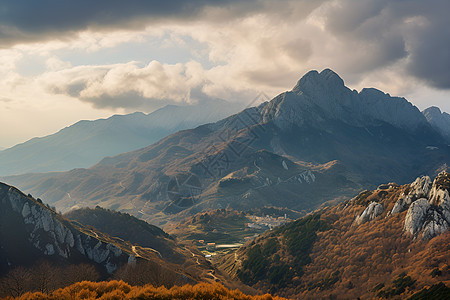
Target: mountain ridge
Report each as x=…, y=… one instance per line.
x=325, y=93
x=88, y=141
x=41, y=250
x=291, y=127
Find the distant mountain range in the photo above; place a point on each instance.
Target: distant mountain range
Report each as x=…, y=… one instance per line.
x=391, y=242
x=318, y=142
x=86, y=142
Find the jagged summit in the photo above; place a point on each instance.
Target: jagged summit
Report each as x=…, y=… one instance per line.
x=432, y=110
x=314, y=80
x=375, y=136
x=440, y=121
x=321, y=97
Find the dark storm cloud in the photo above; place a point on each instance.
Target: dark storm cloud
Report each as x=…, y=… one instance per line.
x=31, y=20
x=413, y=30
x=376, y=33
x=430, y=47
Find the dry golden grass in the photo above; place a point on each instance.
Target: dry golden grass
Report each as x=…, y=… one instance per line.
x=121, y=290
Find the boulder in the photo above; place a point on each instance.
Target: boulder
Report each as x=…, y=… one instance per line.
x=371, y=212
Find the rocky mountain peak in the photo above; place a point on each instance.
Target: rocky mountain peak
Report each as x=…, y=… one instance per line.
x=315, y=97
x=313, y=81
x=323, y=96
x=432, y=111
x=440, y=121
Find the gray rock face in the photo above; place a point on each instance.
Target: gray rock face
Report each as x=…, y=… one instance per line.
x=420, y=188
x=434, y=226
x=43, y=224
x=427, y=204
x=324, y=96
x=415, y=217
x=399, y=206
x=429, y=215
x=372, y=211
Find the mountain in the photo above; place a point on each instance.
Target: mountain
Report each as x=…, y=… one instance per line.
x=127, y=227
x=259, y=179
x=317, y=143
x=41, y=250
x=389, y=242
x=86, y=142
x=439, y=121
x=31, y=232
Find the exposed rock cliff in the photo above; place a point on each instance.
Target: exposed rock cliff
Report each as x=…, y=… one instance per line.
x=428, y=206
x=371, y=212
x=52, y=235
x=418, y=189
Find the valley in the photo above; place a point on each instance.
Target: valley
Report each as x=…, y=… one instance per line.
x=263, y=156
x=205, y=150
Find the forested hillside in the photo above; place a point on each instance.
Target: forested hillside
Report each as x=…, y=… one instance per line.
x=363, y=247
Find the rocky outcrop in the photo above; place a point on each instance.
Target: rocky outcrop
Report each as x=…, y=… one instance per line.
x=53, y=235
x=372, y=211
x=420, y=188
x=428, y=206
x=415, y=217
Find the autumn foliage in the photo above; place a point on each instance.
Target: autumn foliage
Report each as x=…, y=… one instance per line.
x=327, y=255
x=121, y=290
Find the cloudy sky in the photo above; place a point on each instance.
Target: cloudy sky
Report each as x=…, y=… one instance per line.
x=66, y=60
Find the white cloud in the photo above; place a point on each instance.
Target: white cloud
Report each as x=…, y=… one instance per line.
x=55, y=64
x=244, y=49
x=110, y=85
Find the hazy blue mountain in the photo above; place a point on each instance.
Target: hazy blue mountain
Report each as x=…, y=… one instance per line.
x=86, y=142
x=438, y=120
x=318, y=142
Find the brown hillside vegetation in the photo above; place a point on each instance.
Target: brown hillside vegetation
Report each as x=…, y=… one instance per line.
x=327, y=255
x=121, y=290
x=367, y=259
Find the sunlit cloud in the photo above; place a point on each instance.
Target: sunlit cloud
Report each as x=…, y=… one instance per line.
x=127, y=85
x=120, y=56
